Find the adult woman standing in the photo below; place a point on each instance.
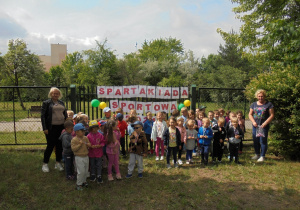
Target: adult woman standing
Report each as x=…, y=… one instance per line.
x=53, y=117
x=261, y=114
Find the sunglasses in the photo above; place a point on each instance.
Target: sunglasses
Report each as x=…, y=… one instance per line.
x=136, y=128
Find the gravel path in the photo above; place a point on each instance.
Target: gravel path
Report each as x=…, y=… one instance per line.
x=27, y=124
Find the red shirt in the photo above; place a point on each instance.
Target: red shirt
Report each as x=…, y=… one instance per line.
x=122, y=125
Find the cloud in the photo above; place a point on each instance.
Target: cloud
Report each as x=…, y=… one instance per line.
x=123, y=23
x=10, y=29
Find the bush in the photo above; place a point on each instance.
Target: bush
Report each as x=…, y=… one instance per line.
x=283, y=90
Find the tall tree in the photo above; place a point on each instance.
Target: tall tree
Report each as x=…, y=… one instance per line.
x=21, y=67
x=72, y=66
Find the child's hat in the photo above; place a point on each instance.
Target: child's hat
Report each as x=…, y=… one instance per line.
x=79, y=126
x=101, y=122
x=119, y=116
x=106, y=109
x=93, y=123
x=74, y=116
x=137, y=123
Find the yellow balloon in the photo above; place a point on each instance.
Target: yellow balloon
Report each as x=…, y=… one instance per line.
x=102, y=105
x=187, y=103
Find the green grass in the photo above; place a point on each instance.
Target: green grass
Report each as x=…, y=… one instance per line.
x=23, y=137
x=270, y=185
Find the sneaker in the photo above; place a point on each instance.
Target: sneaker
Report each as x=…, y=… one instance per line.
x=59, y=167
x=194, y=154
x=175, y=165
x=157, y=158
x=110, y=177
x=140, y=175
x=99, y=180
x=79, y=187
x=261, y=159
x=45, y=168
x=187, y=162
x=118, y=176
x=128, y=176
x=85, y=184
x=93, y=178
x=180, y=162
x=161, y=157
x=255, y=157
x=168, y=166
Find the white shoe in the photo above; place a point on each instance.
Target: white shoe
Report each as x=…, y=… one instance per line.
x=161, y=157
x=157, y=158
x=59, y=167
x=261, y=159
x=45, y=168
x=180, y=162
x=255, y=157
x=187, y=162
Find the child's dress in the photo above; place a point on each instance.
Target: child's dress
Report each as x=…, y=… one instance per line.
x=112, y=150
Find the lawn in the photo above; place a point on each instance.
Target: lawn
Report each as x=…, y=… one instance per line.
x=270, y=185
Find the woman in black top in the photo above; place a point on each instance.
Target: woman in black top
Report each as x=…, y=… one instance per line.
x=53, y=117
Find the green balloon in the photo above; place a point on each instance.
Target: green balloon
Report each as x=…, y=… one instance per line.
x=95, y=103
x=180, y=106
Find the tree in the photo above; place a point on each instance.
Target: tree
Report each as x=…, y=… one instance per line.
x=72, y=66
x=21, y=67
x=56, y=76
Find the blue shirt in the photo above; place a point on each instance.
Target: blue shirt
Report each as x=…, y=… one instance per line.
x=148, y=126
x=205, y=132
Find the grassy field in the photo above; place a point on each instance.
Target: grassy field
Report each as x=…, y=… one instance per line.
x=270, y=185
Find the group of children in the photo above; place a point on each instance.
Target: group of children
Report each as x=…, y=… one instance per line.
x=90, y=145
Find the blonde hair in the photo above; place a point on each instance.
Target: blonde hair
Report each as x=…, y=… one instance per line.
x=70, y=111
x=234, y=119
x=221, y=120
x=189, y=122
x=260, y=91
x=183, y=109
x=205, y=119
x=52, y=90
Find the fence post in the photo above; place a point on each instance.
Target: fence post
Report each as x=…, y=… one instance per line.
x=193, y=97
x=73, y=98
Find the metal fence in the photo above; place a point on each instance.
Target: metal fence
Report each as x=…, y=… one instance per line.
x=20, y=108
x=20, y=114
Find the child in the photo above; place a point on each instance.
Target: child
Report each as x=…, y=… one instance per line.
x=216, y=115
x=205, y=135
x=213, y=122
x=95, y=151
x=182, y=131
x=101, y=124
x=221, y=112
x=122, y=125
x=107, y=113
x=227, y=117
x=201, y=116
x=175, y=113
x=70, y=114
x=148, y=129
x=191, y=114
x=219, y=138
x=80, y=145
x=172, y=141
x=66, y=138
x=235, y=134
x=130, y=120
x=112, y=149
x=241, y=123
x=184, y=114
x=197, y=113
x=138, y=147
x=158, y=129
x=164, y=116
x=132, y=113
x=190, y=143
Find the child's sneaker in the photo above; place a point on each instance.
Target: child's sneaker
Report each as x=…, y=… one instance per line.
x=180, y=162
x=261, y=159
x=59, y=167
x=140, y=175
x=99, y=180
x=128, y=176
x=110, y=177
x=175, y=165
x=45, y=168
x=255, y=157
x=187, y=162
x=161, y=157
x=118, y=176
x=79, y=187
x=85, y=184
x=168, y=166
x=157, y=158
x=93, y=178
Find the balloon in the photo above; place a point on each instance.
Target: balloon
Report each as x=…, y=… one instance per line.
x=95, y=103
x=187, y=103
x=181, y=105
x=102, y=105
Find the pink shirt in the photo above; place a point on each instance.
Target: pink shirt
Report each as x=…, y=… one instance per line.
x=96, y=139
x=117, y=135
x=182, y=131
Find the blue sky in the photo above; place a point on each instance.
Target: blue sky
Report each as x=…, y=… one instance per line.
x=123, y=23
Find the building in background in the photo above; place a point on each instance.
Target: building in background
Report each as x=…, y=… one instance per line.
x=58, y=53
